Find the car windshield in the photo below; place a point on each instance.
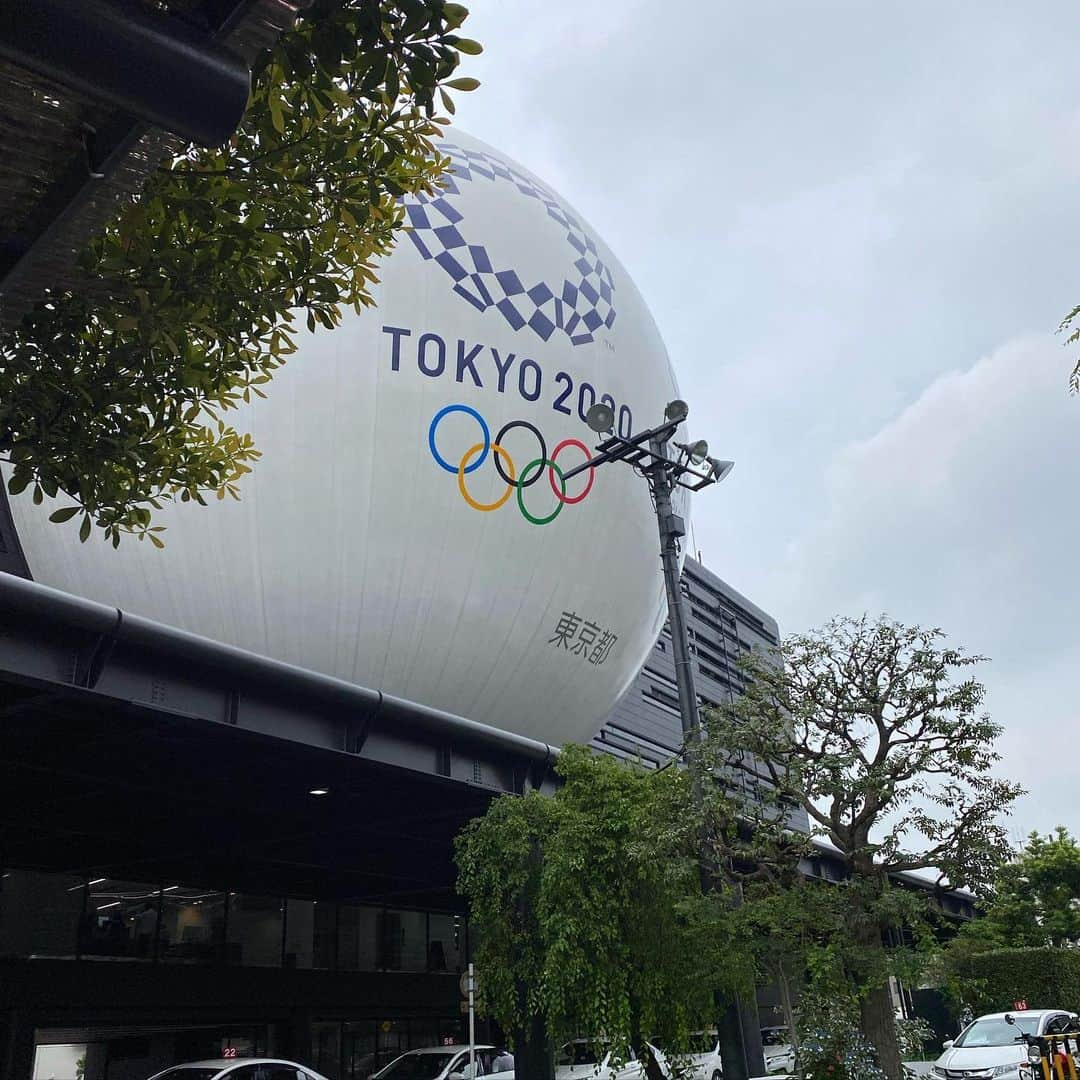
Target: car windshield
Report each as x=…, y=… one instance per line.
x=775, y=1037
x=418, y=1066
x=189, y=1074
x=994, y=1031
x=577, y=1054
x=697, y=1043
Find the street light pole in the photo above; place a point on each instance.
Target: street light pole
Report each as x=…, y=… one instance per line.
x=648, y=454
x=672, y=529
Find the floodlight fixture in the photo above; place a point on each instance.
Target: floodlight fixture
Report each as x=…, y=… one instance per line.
x=677, y=411
x=720, y=469
x=601, y=418
x=698, y=451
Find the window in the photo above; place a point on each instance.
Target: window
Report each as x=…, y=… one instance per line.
x=39, y=913
x=192, y=925
x=446, y=940
x=120, y=919
x=1058, y=1024
x=279, y=1072
x=310, y=929
x=356, y=939
x=263, y=1071
x=416, y=1066
x=255, y=931
x=994, y=1031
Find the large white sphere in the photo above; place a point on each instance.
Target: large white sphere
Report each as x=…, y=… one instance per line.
x=353, y=550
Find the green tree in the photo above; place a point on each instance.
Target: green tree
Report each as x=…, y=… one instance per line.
x=590, y=914
x=1071, y=324
x=1034, y=899
x=116, y=397
x=876, y=731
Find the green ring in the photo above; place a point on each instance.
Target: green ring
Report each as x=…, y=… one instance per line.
x=521, y=486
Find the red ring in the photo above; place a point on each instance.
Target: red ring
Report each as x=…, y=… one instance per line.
x=551, y=471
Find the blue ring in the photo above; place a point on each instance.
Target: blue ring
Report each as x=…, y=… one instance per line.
x=483, y=427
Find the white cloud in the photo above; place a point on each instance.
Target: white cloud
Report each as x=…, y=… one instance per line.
x=962, y=513
x=833, y=214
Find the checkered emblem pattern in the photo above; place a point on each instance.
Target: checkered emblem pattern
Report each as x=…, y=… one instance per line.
x=578, y=307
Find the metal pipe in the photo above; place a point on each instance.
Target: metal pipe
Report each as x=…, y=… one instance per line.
x=154, y=67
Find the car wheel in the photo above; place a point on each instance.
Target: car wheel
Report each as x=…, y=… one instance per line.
x=718, y=1075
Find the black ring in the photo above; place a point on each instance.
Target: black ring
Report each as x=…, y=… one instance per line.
x=543, y=452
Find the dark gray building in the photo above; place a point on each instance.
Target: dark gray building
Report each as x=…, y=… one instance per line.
x=722, y=624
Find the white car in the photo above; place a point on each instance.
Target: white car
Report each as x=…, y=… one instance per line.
x=993, y=1048
x=577, y=1060
x=778, y=1050
x=239, y=1069
x=700, y=1062
x=443, y=1063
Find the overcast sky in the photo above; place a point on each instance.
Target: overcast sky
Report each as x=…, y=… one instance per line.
x=855, y=225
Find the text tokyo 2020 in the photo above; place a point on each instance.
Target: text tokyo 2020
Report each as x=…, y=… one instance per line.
x=485, y=366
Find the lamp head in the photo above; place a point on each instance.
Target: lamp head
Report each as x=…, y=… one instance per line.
x=697, y=451
x=720, y=469
x=600, y=418
x=676, y=410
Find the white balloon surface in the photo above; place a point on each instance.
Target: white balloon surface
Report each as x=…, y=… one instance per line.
x=405, y=529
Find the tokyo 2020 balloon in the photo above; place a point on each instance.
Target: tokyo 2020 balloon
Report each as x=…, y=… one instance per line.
x=408, y=528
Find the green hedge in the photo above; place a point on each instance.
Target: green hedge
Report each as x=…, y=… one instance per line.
x=1045, y=978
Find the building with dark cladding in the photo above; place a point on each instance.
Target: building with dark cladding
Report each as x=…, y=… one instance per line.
x=206, y=851
x=722, y=624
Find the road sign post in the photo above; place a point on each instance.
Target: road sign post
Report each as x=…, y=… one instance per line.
x=467, y=985
x=472, y=1023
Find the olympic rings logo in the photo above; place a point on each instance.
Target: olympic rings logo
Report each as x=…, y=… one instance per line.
x=477, y=454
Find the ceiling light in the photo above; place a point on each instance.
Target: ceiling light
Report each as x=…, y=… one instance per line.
x=319, y=791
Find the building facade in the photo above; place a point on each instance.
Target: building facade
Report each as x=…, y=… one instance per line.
x=203, y=851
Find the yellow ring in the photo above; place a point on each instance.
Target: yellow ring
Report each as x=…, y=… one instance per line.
x=485, y=507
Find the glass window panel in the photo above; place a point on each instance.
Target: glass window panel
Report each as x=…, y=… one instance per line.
x=121, y=919
x=192, y=925
x=362, y=1056
x=414, y=941
x=300, y=933
x=356, y=939
x=325, y=935
x=39, y=913
x=326, y=1047
x=310, y=929
x=446, y=943
x=392, y=1040
x=255, y=930
x=402, y=940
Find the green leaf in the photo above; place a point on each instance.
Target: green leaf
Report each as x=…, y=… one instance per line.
x=112, y=398
x=66, y=514
x=84, y=529
x=465, y=83
x=468, y=46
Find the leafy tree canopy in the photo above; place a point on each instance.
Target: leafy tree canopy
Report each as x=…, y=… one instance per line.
x=1070, y=324
x=875, y=731
x=1034, y=899
x=589, y=908
x=117, y=398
